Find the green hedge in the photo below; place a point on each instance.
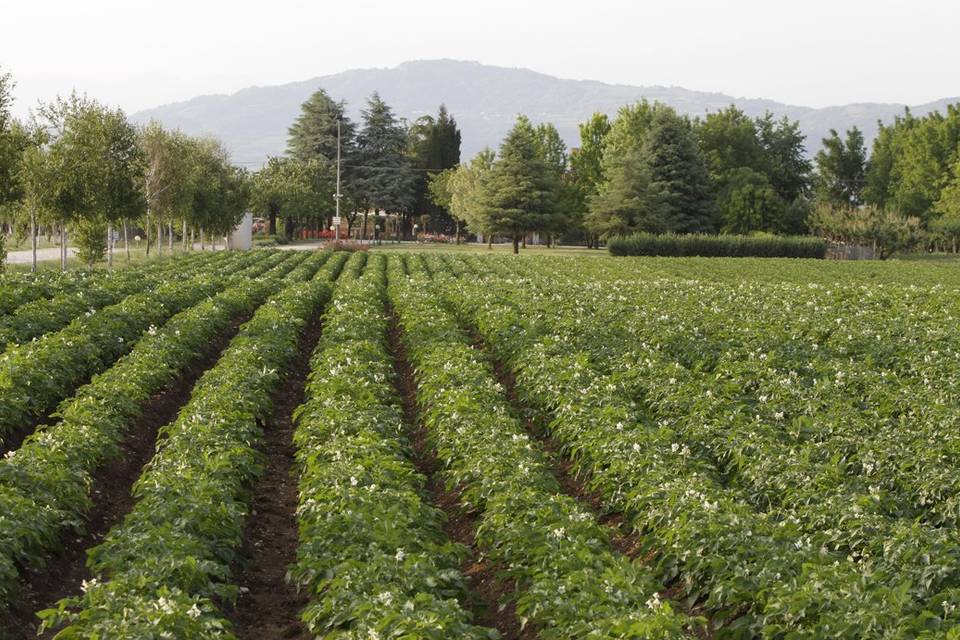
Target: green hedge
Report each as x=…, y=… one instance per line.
x=648, y=244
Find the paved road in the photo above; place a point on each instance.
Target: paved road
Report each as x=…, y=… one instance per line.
x=23, y=257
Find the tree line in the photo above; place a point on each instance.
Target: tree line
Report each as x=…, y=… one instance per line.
x=386, y=164
x=652, y=170
x=903, y=194
x=649, y=169
x=79, y=167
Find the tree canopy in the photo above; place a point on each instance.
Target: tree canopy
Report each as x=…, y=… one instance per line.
x=841, y=169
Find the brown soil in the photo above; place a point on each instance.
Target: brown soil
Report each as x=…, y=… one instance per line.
x=490, y=599
x=112, y=500
x=269, y=607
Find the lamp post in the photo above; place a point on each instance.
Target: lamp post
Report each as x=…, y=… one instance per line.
x=336, y=233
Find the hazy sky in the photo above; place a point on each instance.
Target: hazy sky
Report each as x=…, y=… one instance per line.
x=137, y=54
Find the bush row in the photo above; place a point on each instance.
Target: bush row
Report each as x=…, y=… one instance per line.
x=164, y=570
x=37, y=317
x=17, y=289
x=648, y=244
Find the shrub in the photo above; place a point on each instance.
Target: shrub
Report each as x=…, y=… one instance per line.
x=761, y=246
x=345, y=245
x=887, y=232
x=90, y=237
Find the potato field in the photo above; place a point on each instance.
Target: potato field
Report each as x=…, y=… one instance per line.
x=377, y=445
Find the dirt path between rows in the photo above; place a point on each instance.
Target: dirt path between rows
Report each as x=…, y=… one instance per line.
x=112, y=500
x=489, y=597
x=268, y=607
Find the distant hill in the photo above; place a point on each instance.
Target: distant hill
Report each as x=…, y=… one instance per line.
x=485, y=101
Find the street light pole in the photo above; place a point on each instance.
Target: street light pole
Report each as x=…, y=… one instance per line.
x=336, y=197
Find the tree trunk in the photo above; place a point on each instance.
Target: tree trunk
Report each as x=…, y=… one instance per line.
x=490, y=242
x=110, y=245
x=202, y=246
x=159, y=238
x=191, y=238
x=63, y=247
x=33, y=239
x=170, y=236
x=516, y=244
x=524, y=241
x=126, y=239
x=147, y=232
x=272, y=229
x=458, y=231
x=184, y=234
x=363, y=229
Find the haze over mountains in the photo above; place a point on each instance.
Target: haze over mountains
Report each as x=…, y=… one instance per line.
x=485, y=101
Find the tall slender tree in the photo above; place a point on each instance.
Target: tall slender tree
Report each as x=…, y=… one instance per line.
x=434, y=146
x=628, y=202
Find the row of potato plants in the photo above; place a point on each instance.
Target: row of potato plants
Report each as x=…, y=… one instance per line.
x=45, y=485
x=794, y=440
x=373, y=555
x=36, y=317
x=163, y=571
x=546, y=541
x=907, y=351
x=566, y=381
x=37, y=375
x=18, y=289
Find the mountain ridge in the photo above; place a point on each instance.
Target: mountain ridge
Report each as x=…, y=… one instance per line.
x=485, y=100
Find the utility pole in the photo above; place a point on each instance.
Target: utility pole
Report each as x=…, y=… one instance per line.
x=336, y=197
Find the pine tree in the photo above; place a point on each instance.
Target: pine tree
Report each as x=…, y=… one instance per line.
x=385, y=176
x=628, y=202
x=678, y=169
x=313, y=134
x=521, y=192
